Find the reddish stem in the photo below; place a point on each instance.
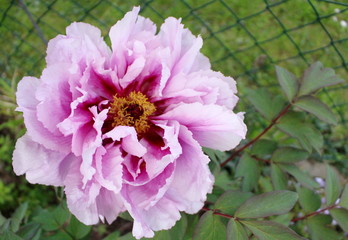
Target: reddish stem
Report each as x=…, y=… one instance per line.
x=313, y=213
x=215, y=212
x=274, y=121
x=261, y=159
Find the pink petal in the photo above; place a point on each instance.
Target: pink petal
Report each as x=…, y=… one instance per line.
x=189, y=187
x=54, y=96
x=93, y=140
x=109, y=168
x=81, y=199
x=25, y=94
x=206, y=87
x=148, y=207
x=40, y=165
x=184, y=47
x=109, y=205
x=82, y=42
x=129, y=138
x=129, y=26
x=27, y=103
x=133, y=28
x=212, y=126
x=158, y=158
x=133, y=71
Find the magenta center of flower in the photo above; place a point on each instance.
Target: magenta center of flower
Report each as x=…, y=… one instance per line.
x=132, y=110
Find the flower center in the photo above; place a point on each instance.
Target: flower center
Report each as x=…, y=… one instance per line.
x=132, y=110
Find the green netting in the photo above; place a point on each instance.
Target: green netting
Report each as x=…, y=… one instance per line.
x=243, y=38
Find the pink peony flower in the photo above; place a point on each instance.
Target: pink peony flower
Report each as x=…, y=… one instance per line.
x=122, y=128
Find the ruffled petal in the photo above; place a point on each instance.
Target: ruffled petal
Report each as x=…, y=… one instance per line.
x=185, y=47
x=206, y=87
x=54, y=96
x=157, y=158
x=27, y=103
x=212, y=126
x=92, y=140
x=81, y=198
x=108, y=161
x=133, y=28
x=130, y=142
x=192, y=178
x=83, y=43
x=109, y=205
x=148, y=207
x=25, y=94
x=40, y=165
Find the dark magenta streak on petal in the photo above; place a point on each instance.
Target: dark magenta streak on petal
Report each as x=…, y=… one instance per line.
x=101, y=85
x=154, y=136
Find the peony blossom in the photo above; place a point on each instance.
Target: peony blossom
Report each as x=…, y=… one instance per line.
x=121, y=129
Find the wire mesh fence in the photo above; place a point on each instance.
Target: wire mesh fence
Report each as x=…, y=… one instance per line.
x=243, y=39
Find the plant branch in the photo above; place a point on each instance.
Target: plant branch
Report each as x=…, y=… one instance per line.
x=261, y=159
x=215, y=212
x=313, y=213
x=274, y=121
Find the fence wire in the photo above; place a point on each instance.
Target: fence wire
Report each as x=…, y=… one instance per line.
x=243, y=39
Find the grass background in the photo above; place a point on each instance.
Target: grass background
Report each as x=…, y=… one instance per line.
x=243, y=39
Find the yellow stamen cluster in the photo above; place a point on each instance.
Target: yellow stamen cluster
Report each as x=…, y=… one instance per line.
x=132, y=110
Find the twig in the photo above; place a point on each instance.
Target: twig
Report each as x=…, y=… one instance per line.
x=215, y=212
x=313, y=213
x=274, y=121
x=261, y=159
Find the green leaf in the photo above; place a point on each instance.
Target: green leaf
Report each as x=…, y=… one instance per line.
x=231, y=200
x=192, y=221
x=300, y=176
x=316, y=77
x=222, y=180
x=60, y=235
x=113, y=236
x=279, y=178
x=235, y=231
x=2, y=219
x=126, y=216
x=284, y=219
x=267, y=204
x=209, y=227
x=288, y=82
x=18, y=216
x=264, y=104
x=317, y=227
x=309, y=200
x=215, y=156
x=293, y=124
x=52, y=220
x=8, y=235
x=30, y=231
x=344, y=198
x=175, y=233
x=249, y=169
x=127, y=236
x=264, y=148
x=341, y=216
x=77, y=229
x=333, y=186
x=265, y=184
x=289, y=155
x=268, y=230
x=316, y=107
